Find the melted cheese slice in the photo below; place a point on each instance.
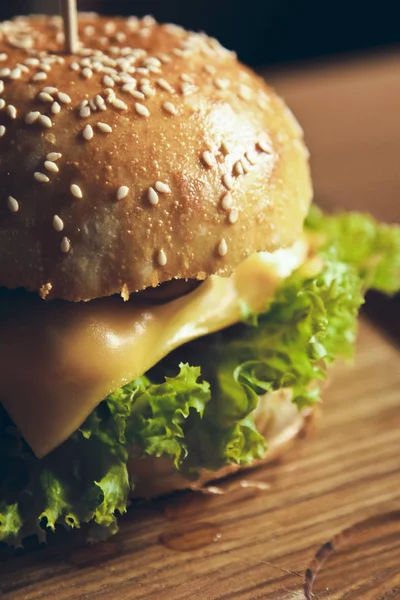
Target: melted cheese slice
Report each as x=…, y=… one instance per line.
x=60, y=359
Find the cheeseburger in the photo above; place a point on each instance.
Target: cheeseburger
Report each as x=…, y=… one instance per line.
x=169, y=301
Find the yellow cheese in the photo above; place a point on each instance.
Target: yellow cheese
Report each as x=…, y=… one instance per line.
x=59, y=359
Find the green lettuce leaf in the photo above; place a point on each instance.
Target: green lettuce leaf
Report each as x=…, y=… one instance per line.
x=359, y=241
x=202, y=416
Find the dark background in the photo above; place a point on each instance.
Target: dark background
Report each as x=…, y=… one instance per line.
x=263, y=32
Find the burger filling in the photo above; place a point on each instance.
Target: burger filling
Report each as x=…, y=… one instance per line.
x=176, y=374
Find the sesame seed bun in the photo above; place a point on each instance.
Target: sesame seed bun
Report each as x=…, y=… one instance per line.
x=276, y=418
x=151, y=155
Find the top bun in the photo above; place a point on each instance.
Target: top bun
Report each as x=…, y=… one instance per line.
x=150, y=155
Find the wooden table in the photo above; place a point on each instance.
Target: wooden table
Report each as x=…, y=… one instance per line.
x=349, y=110
x=331, y=510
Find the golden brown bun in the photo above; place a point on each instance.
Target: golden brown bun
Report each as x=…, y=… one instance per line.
x=277, y=419
x=83, y=248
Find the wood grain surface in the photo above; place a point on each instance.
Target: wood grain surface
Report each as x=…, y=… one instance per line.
x=266, y=540
x=326, y=523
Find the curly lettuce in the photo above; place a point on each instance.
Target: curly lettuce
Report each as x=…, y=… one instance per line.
x=202, y=416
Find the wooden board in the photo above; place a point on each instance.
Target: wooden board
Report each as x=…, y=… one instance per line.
x=265, y=540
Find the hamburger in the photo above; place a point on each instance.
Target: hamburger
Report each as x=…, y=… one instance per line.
x=170, y=301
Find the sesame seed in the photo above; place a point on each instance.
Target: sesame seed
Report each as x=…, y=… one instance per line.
x=153, y=196
x=148, y=91
x=188, y=88
x=149, y=21
x=2, y=130
x=58, y=223
x=233, y=216
x=82, y=104
x=222, y=248
x=145, y=32
x=126, y=77
x=55, y=108
x=100, y=103
x=63, y=98
x=210, y=69
x=120, y=105
x=16, y=73
x=227, y=181
x=65, y=245
x=24, y=68
x=45, y=67
x=53, y=156
x=32, y=117
x=121, y=37
x=74, y=66
x=87, y=73
x=76, y=191
x=151, y=61
x=87, y=132
x=251, y=157
x=49, y=90
x=164, y=58
x=142, y=110
x=155, y=70
x=244, y=92
x=186, y=77
x=51, y=166
x=5, y=72
x=85, y=112
x=104, y=127
x=3, y=56
x=246, y=165
x=40, y=76
x=11, y=111
x=264, y=146
x=45, y=121
x=162, y=187
x=161, y=258
x=132, y=23
x=226, y=201
x=2, y=103
x=45, y=290
x=110, y=94
x=108, y=81
x=208, y=158
x=137, y=95
x=1, y=86
x=122, y=192
x=44, y=97
x=41, y=177
x=164, y=85
x=109, y=28
x=89, y=30
x=13, y=204
x=116, y=78
x=238, y=168
x=170, y=108
x=263, y=103
x=221, y=83
x=32, y=61
x=130, y=86
x=179, y=52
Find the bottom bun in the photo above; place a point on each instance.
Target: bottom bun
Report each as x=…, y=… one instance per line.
x=277, y=419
